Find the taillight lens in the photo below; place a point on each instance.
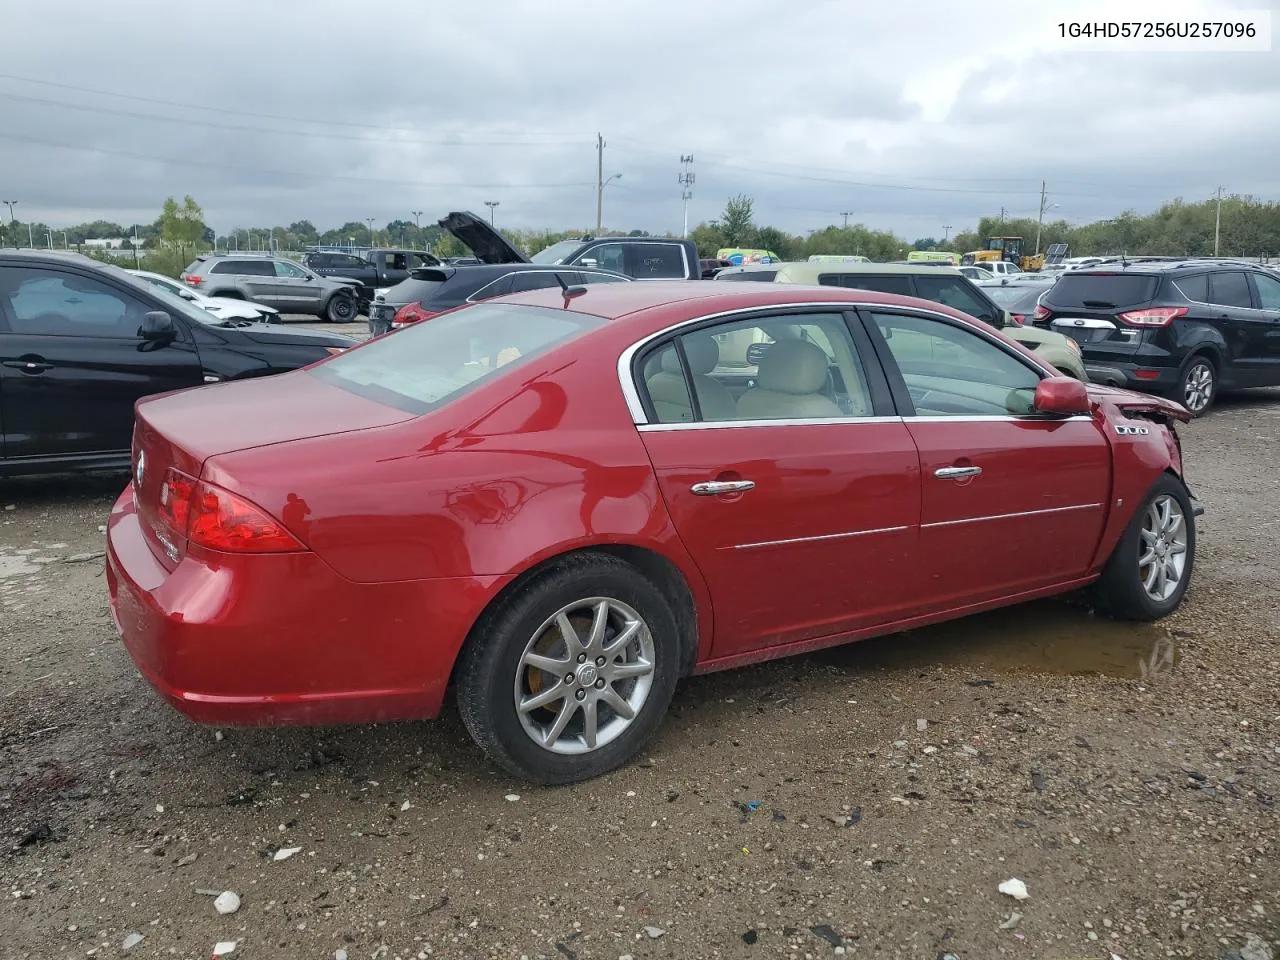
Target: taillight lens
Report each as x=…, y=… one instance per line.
x=192, y=279
x=217, y=519
x=410, y=313
x=1019, y=319
x=1041, y=312
x=1153, y=316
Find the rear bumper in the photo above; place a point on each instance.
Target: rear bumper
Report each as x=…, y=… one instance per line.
x=1114, y=374
x=283, y=639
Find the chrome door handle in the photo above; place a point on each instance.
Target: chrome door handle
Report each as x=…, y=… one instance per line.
x=956, y=473
x=714, y=488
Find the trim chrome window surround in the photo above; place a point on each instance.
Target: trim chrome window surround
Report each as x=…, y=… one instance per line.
x=632, y=394
x=847, y=421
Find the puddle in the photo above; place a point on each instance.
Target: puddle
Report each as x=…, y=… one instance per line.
x=1046, y=636
x=16, y=563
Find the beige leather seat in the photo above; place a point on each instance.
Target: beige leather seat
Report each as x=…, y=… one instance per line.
x=789, y=384
x=669, y=393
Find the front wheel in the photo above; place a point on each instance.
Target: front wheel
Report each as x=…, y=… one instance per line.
x=341, y=309
x=1198, y=385
x=571, y=674
x=1150, y=568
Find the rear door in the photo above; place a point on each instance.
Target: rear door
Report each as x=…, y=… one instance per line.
x=255, y=275
x=1266, y=327
x=1241, y=326
x=1011, y=501
x=72, y=364
x=798, y=500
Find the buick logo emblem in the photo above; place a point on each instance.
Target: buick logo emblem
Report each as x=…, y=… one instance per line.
x=139, y=470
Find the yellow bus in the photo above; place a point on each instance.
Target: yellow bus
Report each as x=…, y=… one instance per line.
x=933, y=256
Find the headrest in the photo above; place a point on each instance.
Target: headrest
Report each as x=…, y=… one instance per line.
x=701, y=350
x=793, y=366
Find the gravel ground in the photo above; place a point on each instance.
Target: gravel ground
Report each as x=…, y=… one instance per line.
x=865, y=801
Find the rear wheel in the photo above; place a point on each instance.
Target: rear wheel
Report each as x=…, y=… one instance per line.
x=341, y=308
x=569, y=676
x=1150, y=568
x=1198, y=384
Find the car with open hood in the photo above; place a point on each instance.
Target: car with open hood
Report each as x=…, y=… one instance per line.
x=82, y=341
x=640, y=258
x=556, y=504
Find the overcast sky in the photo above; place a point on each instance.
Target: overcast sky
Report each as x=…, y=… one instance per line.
x=909, y=116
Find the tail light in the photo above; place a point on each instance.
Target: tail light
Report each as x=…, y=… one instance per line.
x=217, y=519
x=334, y=351
x=1153, y=316
x=1019, y=319
x=1041, y=312
x=411, y=313
x=192, y=279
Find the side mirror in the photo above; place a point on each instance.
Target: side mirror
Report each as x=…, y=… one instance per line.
x=157, y=325
x=1061, y=396
x=589, y=262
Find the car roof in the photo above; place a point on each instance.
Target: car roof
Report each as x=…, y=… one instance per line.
x=794, y=272
x=49, y=256
x=1158, y=266
x=638, y=303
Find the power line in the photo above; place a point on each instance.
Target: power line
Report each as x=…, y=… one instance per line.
x=289, y=173
x=192, y=121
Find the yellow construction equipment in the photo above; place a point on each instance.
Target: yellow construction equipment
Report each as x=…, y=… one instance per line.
x=1008, y=249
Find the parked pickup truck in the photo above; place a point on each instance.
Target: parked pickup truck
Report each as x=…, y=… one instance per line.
x=374, y=271
x=641, y=258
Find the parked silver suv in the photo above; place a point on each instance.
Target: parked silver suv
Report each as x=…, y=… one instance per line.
x=275, y=282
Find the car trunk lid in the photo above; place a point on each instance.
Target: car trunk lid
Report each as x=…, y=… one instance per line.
x=485, y=242
x=1087, y=306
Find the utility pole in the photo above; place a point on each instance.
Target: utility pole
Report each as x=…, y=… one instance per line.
x=846, y=214
x=1217, y=224
x=137, y=255
x=685, y=180
x=946, y=231
x=491, y=204
x=31, y=241
x=599, y=183
x=11, y=204
x=1002, y=214
x=416, y=215
x=1040, y=222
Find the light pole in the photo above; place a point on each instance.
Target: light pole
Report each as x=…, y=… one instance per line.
x=846, y=214
x=491, y=204
x=416, y=223
x=11, y=204
x=946, y=231
x=600, y=206
x=1217, y=224
x=369, y=221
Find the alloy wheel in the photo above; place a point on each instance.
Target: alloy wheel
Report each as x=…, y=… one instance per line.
x=584, y=675
x=1162, y=558
x=1198, y=386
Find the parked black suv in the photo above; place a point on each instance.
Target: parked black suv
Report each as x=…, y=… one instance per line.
x=81, y=341
x=1183, y=328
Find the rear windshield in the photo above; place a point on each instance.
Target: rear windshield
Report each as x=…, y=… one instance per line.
x=413, y=290
x=762, y=276
x=1101, y=291
x=430, y=363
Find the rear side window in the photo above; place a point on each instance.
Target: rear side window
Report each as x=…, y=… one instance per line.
x=956, y=292
x=1101, y=291
x=249, y=268
x=884, y=283
x=427, y=365
x=1195, y=288
x=655, y=261
x=1230, y=289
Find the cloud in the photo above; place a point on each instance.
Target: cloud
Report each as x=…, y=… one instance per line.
x=909, y=116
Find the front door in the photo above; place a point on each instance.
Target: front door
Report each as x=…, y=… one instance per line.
x=1011, y=500
x=72, y=364
x=799, y=498
x=296, y=290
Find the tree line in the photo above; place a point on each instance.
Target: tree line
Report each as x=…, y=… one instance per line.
x=1249, y=227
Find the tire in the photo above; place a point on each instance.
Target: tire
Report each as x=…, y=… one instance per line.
x=528, y=622
x=341, y=308
x=1121, y=591
x=1197, y=384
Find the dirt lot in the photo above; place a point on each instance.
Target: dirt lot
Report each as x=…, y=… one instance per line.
x=864, y=801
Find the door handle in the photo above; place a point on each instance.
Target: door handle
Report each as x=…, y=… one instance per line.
x=956, y=473
x=715, y=488
x=29, y=366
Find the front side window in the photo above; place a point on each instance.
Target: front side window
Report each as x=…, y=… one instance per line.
x=785, y=367
x=607, y=256
x=957, y=293
x=427, y=365
x=286, y=269
x=46, y=303
x=954, y=372
x=1230, y=289
x=1268, y=291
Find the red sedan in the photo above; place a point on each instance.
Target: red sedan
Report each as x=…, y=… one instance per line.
x=561, y=503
